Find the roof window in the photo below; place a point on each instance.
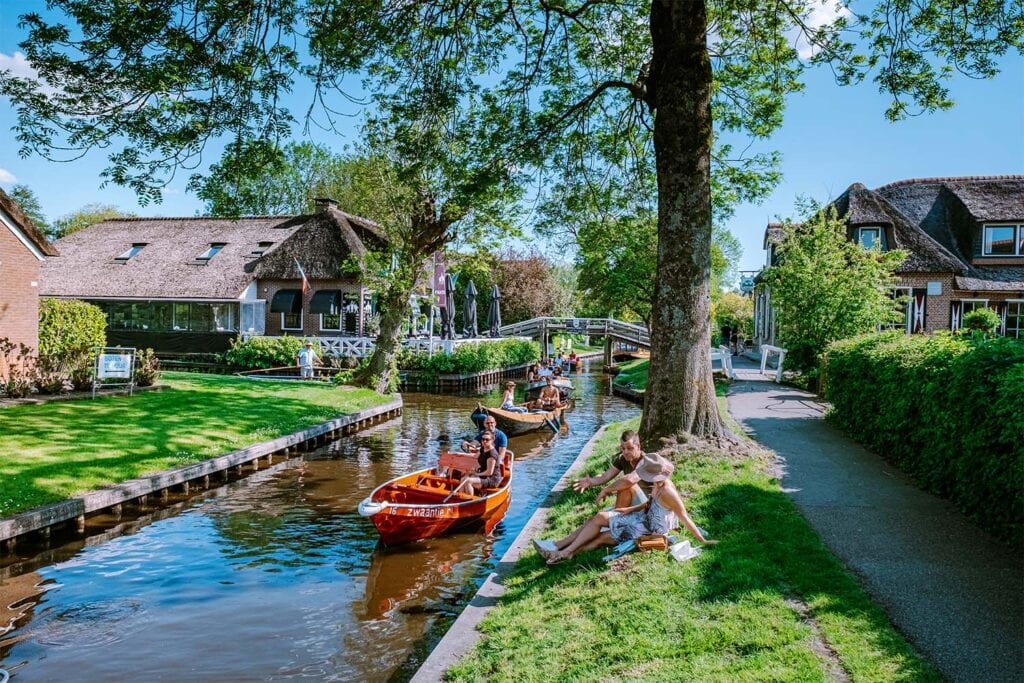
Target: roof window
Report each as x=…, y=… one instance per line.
x=261, y=247
x=136, y=248
x=211, y=252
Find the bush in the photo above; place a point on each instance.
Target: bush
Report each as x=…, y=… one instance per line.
x=17, y=369
x=946, y=409
x=982, y=319
x=257, y=353
x=476, y=357
x=147, y=367
x=69, y=332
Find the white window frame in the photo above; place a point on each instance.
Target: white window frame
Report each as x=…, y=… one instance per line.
x=341, y=323
x=132, y=252
x=1020, y=330
x=877, y=229
x=1018, y=237
x=301, y=326
x=207, y=256
x=907, y=324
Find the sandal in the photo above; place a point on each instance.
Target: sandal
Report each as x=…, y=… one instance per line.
x=554, y=559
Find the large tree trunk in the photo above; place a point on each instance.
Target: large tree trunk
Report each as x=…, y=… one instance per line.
x=680, y=394
x=380, y=373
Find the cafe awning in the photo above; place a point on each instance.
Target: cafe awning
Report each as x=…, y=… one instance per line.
x=287, y=301
x=326, y=301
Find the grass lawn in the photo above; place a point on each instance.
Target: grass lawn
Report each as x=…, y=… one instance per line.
x=53, y=451
x=769, y=603
x=634, y=372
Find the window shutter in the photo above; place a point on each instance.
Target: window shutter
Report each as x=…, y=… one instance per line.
x=1000, y=308
x=955, y=313
x=918, y=309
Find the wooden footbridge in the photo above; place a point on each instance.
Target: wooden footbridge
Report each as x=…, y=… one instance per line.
x=613, y=331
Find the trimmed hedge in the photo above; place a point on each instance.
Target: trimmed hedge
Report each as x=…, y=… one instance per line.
x=258, y=353
x=475, y=357
x=949, y=410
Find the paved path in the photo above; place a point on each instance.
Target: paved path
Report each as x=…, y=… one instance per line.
x=955, y=592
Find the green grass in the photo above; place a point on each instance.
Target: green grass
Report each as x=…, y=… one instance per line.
x=56, y=450
x=634, y=372
x=725, y=616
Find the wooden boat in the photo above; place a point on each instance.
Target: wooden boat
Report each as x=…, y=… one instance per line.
x=514, y=424
x=421, y=505
x=563, y=385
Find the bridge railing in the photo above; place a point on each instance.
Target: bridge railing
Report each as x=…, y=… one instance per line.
x=618, y=329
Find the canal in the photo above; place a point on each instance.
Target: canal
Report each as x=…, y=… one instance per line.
x=275, y=576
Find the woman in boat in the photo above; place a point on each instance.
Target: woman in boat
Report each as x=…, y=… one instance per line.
x=489, y=475
x=508, y=400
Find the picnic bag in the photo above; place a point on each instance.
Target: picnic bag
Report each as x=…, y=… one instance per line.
x=652, y=542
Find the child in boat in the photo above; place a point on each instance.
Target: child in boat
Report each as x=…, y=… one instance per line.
x=489, y=475
x=508, y=400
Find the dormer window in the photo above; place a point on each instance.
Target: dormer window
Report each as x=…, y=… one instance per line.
x=127, y=256
x=869, y=237
x=1003, y=240
x=261, y=248
x=211, y=252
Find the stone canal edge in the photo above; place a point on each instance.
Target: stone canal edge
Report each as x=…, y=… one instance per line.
x=463, y=634
x=74, y=510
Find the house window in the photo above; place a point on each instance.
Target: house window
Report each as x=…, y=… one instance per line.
x=221, y=314
x=330, y=322
x=291, y=321
x=903, y=298
x=261, y=247
x=1003, y=240
x=1015, y=319
x=136, y=248
x=869, y=238
x=214, y=249
x=968, y=305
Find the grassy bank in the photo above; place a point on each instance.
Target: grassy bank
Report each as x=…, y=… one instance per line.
x=52, y=451
x=769, y=603
x=633, y=373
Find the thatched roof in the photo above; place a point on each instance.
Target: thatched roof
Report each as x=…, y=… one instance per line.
x=25, y=224
x=993, y=279
x=861, y=206
x=167, y=267
x=773, y=234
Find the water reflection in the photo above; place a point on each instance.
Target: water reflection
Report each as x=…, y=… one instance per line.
x=275, y=576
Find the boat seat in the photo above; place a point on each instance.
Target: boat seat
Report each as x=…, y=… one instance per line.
x=458, y=462
x=418, y=488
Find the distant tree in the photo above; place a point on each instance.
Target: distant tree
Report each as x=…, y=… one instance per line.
x=827, y=287
x=90, y=214
x=529, y=286
x=29, y=203
x=734, y=310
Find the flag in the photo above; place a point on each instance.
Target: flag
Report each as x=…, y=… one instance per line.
x=305, y=281
x=437, y=282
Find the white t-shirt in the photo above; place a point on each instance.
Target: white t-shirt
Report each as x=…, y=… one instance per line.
x=306, y=357
x=544, y=372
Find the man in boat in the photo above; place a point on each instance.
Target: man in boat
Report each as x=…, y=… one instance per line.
x=659, y=515
x=549, y=398
x=306, y=359
x=544, y=370
x=499, y=437
x=623, y=463
x=489, y=474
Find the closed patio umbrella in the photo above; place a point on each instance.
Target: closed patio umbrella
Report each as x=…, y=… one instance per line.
x=494, y=312
x=469, y=326
x=448, y=312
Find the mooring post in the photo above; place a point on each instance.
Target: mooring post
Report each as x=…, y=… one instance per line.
x=80, y=524
x=607, y=350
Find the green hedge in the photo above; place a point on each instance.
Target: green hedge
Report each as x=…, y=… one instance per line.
x=946, y=409
x=256, y=353
x=475, y=357
x=69, y=332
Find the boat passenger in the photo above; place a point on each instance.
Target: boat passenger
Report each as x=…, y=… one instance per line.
x=491, y=426
x=508, y=400
x=544, y=370
x=489, y=474
x=549, y=398
x=661, y=514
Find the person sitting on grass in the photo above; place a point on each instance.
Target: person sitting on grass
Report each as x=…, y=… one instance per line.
x=623, y=463
x=508, y=400
x=659, y=515
x=489, y=474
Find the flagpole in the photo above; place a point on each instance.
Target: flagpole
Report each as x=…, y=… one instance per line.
x=433, y=304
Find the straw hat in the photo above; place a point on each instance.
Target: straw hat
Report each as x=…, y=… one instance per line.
x=651, y=467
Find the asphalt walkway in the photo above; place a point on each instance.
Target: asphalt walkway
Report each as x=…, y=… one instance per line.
x=954, y=591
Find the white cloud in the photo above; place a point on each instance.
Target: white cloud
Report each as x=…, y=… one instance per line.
x=6, y=177
x=20, y=67
x=820, y=13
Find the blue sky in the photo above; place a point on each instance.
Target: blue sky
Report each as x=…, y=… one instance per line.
x=832, y=137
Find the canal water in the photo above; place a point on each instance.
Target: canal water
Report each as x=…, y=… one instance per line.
x=275, y=576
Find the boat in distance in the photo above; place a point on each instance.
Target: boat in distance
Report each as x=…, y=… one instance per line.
x=421, y=504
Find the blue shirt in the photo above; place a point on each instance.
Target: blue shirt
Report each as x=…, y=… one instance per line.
x=500, y=440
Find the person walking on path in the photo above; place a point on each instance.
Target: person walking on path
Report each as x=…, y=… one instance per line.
x=306, y=360
x=952, y=589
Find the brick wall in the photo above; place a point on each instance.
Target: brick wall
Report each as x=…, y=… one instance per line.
x=937, y=307
x=19, y=290
x=310, y=321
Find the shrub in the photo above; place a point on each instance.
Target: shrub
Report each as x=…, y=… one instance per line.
x=52, y=381
x=946, y=409
x=265, y=352
x=476, y=357
x=69, y=332
x=147, y=367
x=17, y=369
x=982, y=319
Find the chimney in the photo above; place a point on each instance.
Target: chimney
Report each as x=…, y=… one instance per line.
x=324, y=203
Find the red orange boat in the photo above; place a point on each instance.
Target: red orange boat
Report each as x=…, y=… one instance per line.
x=421, y=504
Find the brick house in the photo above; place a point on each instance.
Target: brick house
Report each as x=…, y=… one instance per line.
x=195, y=284
x=23, y=249
x=965, y=238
